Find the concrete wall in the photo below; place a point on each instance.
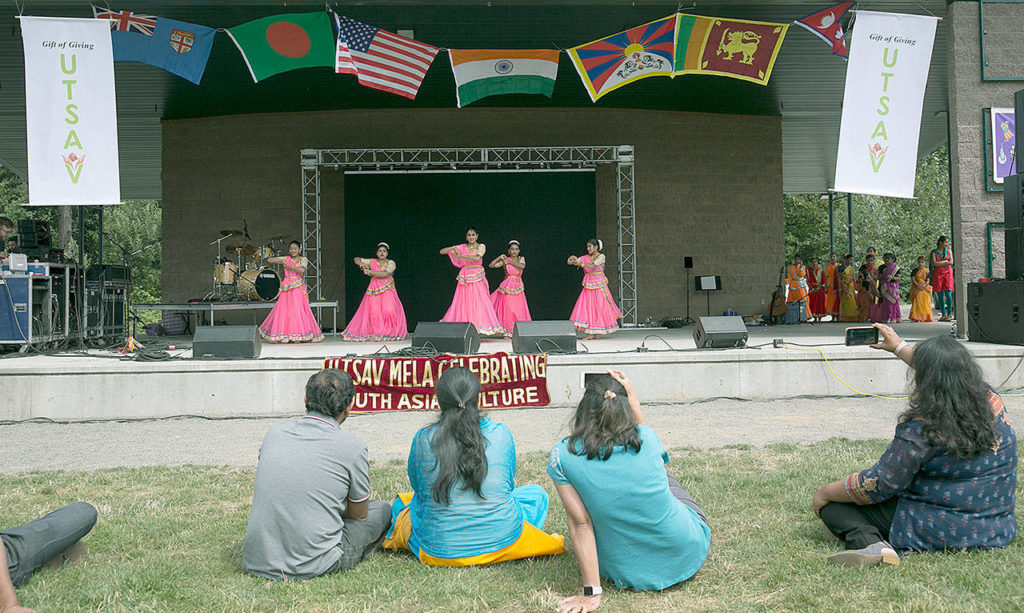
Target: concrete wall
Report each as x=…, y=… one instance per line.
x=709, y=186
x=973, y=207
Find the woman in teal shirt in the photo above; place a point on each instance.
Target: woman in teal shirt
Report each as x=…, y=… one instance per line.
x=628, y=519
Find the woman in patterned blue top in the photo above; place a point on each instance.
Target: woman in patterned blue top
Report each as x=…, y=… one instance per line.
x=628, y=519
x=947, y=479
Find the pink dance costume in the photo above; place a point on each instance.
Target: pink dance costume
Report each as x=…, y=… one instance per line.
x=509, y=300
x=471, y=302
x=291, y=320
x=595, y=311
x=380, y=316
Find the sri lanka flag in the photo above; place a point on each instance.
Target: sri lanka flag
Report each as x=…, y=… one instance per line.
x=827, y=25
x=638, y=53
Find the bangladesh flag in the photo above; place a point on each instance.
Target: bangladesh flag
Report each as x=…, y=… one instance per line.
x=285, y=42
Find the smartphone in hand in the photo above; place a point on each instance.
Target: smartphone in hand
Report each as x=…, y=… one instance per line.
x=862, y=335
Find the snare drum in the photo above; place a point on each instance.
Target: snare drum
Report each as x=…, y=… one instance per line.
x=224, y=273
x=260, y=284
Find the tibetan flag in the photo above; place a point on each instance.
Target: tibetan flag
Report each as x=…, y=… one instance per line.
x=827, y=25
x=727, y=47
x=614, y=61
x=176, y=46
x=488, y=72
x=277, y=44
x=381, y=59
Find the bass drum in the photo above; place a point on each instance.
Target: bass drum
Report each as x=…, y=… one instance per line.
x=259, y=284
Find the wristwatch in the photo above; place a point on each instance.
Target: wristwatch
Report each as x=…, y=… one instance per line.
x=592, y=590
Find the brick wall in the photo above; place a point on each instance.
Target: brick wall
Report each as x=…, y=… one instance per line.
x=973, y=207
x=709, y=186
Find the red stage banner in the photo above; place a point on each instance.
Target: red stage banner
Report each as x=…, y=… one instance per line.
x=407, y=384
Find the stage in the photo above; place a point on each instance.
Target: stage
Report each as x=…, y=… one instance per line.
x=667, y=368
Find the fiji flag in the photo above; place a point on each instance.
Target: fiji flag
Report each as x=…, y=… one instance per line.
x=176, y=46
x=614, y=61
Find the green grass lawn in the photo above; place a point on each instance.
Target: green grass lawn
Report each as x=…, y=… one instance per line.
x=169, y=539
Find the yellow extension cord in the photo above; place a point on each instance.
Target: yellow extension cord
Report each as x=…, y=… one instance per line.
x=853, y=389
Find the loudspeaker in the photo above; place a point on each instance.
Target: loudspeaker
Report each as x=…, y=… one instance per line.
x=221, y=342
x=1013, y=217
x=687, y=262
x=447, y=337
x=726, y=331
x=544, y=337
x=994, y=312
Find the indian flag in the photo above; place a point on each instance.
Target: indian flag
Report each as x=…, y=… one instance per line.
x=486, y=72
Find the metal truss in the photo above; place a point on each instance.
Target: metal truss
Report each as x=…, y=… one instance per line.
x=509, y=159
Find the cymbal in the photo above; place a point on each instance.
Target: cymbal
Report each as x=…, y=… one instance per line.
x=231, y=233
x=279, y=237
x=241, y=248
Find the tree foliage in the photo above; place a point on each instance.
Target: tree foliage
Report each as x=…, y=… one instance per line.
x=908, y=228
x=133, y=225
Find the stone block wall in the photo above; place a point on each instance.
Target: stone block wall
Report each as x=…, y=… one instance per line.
x=973, y=207
x=707, y=186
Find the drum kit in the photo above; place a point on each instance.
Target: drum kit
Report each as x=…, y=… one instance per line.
x=242, y=271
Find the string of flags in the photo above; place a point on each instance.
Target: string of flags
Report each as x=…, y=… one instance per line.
x=679, y=44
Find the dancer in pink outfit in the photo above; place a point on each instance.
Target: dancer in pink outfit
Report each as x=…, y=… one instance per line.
x=471, y=302
x=291, y=320
x=380, y=316
x=509, y=300
x=595, y=312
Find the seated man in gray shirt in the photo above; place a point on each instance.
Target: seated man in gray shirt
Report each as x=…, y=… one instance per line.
x=311, y=510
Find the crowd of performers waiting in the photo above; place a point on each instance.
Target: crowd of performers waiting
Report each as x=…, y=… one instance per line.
x=871, y=292
x=946, y=482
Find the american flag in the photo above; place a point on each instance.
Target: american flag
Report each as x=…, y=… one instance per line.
x=127, y=21
x=380, y=59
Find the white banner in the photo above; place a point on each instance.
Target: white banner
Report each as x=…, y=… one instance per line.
x=885, y=81
x=71, y=111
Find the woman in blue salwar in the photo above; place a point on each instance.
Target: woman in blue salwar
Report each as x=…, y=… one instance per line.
x=948, y=478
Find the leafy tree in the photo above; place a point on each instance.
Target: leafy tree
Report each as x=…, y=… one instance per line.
x=906, y=227
x=133, y=225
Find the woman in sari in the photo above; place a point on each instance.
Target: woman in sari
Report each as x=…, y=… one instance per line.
x=472, y=301
x=509, y=300
x=380, y=316
x=595, y=312
x=848, y=309
x=831, y=283
x=465, y=509
x=889, y=290
x=921, y=293
x=942, y=277
x=816, y=291
x=291, y=320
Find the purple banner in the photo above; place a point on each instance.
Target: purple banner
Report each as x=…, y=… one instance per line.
x=1003, y=155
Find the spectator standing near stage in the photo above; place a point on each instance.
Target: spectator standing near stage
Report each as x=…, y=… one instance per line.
x=509, y=300
x=848, y=309
x=947, y=480
x=889, y=290
x=941, y=260
x=465, y=509
x=471, y=302
x=52, y=538
x=796, y=280
x=921, y=292
x=291, y=320
x=629, y=520
x=815, y=291
x=380, y=316
x=595, y=312
x=831, y=282
x=311, y=509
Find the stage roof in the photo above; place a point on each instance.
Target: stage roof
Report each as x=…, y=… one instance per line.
x=806, y=87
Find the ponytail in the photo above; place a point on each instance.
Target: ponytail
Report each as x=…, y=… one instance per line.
x=458, y=444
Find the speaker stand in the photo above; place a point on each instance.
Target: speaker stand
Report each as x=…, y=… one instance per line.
x=688, y=321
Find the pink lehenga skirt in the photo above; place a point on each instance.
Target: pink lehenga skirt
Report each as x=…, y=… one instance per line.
x=472, y=304
x=380, y=316
x=509, y=302
x=291, y=320
x=595, y=311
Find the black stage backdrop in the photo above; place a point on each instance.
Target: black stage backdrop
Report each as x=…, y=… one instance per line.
x=552, y=214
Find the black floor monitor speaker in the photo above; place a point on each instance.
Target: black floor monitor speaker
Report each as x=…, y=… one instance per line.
x=455, y=337
x=720, y=332
x=994, y=312
x=544, y=337
x=221, y=342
